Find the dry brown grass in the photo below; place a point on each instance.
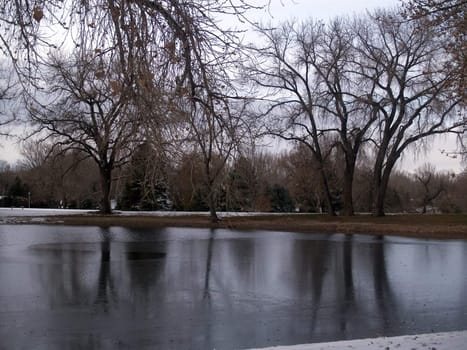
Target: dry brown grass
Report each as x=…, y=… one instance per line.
x=411, y=225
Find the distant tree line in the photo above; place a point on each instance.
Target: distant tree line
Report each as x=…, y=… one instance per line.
x=278, y=182
x=157, y=105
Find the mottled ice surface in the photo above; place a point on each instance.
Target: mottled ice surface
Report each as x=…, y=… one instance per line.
x=65, y=287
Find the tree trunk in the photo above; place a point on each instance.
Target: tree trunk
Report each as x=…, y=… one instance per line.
x=381, y=178
x=106, y=181
x=327, y=194
x=380, y=186
x=424, y=209
x=212, y=206
x=349, y=172
x=211, y=197
x=378, y=202
x=378, y=194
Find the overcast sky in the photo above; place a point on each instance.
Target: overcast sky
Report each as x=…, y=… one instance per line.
x=280, y=10
x=324, y=9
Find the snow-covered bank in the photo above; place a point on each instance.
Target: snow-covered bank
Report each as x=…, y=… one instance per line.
x=434, y=341
x=407, y=225
x=37, y=215
x=15, y=212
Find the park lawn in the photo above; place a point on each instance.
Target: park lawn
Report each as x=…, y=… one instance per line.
x=410, y=225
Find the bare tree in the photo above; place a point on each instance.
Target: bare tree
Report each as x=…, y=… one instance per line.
x=9, y=96
x=320, y=78
x=448, y=19
x=216, y=131
x=432, y=184
x=282, y=71
x=333, y=56
x=413, y=95
x=174, y=39
x=380, y=78
x=91, y=112
x=174, y=46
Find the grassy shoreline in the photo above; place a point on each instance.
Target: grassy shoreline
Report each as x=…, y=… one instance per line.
x=407, y=225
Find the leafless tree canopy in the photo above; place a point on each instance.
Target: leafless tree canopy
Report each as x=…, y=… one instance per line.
x=130, y=58
x=107, y=77
x=448, y=17
x=377, y=81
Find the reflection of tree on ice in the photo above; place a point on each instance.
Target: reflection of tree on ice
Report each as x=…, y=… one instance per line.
x=207, y=276
x=105, y=287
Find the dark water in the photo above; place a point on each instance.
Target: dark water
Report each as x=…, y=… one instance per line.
x=94, y=288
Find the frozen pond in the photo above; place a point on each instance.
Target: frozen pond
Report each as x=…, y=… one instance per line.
x=65, y=287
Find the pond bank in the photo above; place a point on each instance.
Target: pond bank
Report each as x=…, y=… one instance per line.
x=407, y=225
x=438, y=341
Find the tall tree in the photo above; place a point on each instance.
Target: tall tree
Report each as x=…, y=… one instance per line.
x=316, y=71
x=282, y=71
x=174, y=46
x=216, y=131
x=91, y=111
x=413, y=94
x=332, y=55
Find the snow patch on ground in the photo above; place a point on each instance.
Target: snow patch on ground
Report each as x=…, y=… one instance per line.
x=37, y=215
x=434, y=341
x=16, y=212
